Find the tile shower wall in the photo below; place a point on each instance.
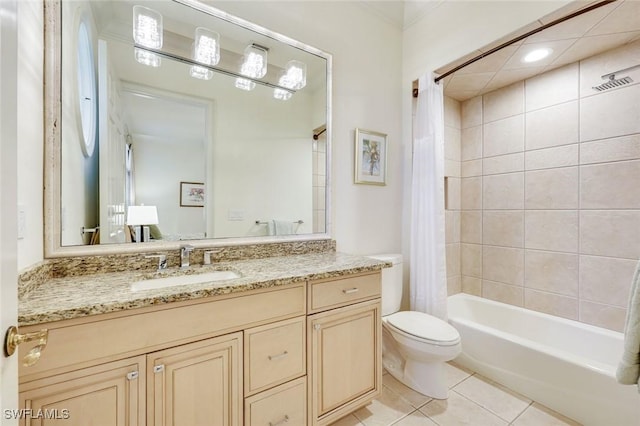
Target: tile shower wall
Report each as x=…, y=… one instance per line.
x=550, y=192
x=452, y=144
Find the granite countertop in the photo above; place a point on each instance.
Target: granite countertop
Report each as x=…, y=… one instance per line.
x=79, y=296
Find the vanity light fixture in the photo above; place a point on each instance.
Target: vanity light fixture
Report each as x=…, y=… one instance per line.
x=201, y=73
x=254, y=63
x=537, y=55
x=245, y=84
x=294, y=76
x=206, y=47
x=147, y=32
x=282, y=94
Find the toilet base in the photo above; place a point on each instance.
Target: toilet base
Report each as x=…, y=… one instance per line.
x=429, y=379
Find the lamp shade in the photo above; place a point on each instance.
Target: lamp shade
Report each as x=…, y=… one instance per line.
x=142, y=215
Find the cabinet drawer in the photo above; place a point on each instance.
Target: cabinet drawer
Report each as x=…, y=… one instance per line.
x=281, y=406
x=345, y=291
x=274, y=353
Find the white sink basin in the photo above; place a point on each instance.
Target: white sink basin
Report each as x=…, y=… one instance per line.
x=156, y=283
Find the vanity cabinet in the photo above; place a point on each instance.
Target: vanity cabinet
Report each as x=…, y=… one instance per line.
x=110, y=394
x=305, y=353
x=196, y=384
x=344, y=347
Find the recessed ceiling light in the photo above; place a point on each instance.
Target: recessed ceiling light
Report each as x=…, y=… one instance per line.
x=537, y=55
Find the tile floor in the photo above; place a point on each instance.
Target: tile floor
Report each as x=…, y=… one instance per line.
x=473, y=400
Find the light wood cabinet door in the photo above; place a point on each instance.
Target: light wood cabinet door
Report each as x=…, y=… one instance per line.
x=199, y=384
x=110, y=394
x=345, y=360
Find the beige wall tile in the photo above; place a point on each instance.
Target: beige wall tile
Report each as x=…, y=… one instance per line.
x=551, y=271
x=551, y=189
x=452, y=226
x=503, y=136
x=610, y=233
x=560, y=156
x=606, y=279
x=615, y=149
x=610, y=317
x=471, y=193
x=505, y=265
x=452, y=113
x=553, y=304
x=454, y=285
x=451, y=168
x=555, y=230
x=453, y=259
x=454, y=193
x=471, y=226
x=472, y=168
x=471, y=260
x=503, y=164
x=551, y=88
x=503, y=191
x=471, y=111
x=472, y=285
x=610, y=185
x=610, y=114
x=471, y=143
x=552, y=126
x=503, y=228
x=452, y=143
x=503, y=102
x=513, y=295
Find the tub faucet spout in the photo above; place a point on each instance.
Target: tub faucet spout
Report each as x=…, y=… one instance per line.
x=184, y=256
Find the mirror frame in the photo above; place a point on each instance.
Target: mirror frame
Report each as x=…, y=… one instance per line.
x=53, y=247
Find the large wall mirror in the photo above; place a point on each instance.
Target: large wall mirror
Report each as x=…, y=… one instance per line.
x=171, y=121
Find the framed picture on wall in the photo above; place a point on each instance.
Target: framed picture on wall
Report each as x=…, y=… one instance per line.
x=191, y=194
x=370, y=157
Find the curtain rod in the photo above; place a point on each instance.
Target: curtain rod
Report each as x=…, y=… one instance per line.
x=522, y=37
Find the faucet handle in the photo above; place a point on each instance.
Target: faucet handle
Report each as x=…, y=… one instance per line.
x=162, y=260
x=187, y=248
x=207, y=255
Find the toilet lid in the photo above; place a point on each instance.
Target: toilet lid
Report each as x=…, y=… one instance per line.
x=423, y=326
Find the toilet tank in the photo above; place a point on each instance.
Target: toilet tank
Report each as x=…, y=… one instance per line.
x=391, y=283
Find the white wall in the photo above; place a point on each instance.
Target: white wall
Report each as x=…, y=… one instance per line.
x=30, y=129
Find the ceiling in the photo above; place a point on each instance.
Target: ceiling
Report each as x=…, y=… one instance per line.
x=601, y=29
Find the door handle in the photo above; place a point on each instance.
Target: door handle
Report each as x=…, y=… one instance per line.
x=13, y=339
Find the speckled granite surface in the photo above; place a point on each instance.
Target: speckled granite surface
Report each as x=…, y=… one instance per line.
x=70, y=297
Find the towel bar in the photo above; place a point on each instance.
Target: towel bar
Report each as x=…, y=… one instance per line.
x=299, y=222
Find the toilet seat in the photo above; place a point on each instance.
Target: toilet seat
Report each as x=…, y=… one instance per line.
x=423, y=327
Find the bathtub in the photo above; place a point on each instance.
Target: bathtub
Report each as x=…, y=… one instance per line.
x=566, y=365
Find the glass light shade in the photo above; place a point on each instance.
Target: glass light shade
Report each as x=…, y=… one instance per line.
x=147, y=27
x=147, y=58
x=294, y=76
x=142, y=215
x=244, y=84
x=281, y=94
x=206, y=47
x=254, y=64
x=201, y=73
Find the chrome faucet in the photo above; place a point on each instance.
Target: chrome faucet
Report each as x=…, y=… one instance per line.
x=162, y=261
x=184, y=256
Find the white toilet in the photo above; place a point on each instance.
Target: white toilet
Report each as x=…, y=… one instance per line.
x=415, y=345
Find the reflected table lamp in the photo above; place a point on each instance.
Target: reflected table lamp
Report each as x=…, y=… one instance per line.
x=138, y=217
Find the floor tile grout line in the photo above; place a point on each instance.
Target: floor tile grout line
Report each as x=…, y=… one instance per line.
x=523, y=411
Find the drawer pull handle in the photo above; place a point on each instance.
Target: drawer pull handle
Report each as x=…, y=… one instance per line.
x=350, y=290
x=284, y=420
x=274, y=357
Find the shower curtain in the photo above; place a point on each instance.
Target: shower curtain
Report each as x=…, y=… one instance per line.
x=428, y=278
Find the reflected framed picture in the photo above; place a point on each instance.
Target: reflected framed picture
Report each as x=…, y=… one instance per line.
x=191, y=194
x=370, y=157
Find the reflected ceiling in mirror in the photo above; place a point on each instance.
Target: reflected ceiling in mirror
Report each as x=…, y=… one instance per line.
x=178, y=129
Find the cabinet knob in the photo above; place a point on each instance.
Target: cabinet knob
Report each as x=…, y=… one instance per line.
x=284, y=420
x=13, y=339
x=158, y=368
x=316, y=326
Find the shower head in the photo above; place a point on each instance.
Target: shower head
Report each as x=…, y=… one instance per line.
x=613, y=82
